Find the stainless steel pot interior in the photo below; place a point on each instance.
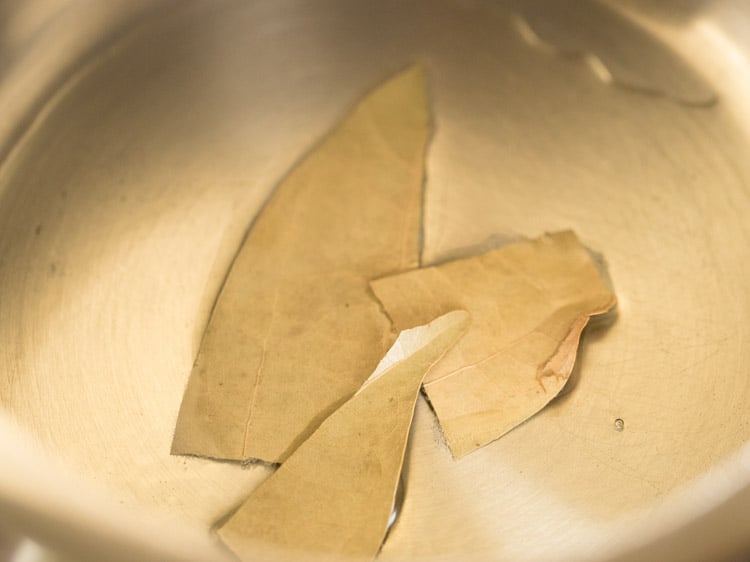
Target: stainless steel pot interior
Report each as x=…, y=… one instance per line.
x=138, y=152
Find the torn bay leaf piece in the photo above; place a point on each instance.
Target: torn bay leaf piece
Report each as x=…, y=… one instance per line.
x=529, y=302
x=333, y=496
x=295, y=329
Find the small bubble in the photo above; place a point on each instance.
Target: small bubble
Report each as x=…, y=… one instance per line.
x=619, y=424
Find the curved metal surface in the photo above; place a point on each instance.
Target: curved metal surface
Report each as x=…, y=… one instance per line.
x=122, y=205
x=42, y=42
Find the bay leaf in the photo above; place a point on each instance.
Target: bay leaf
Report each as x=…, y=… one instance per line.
x=295, y=329
x=333, y=497
x=529, y=302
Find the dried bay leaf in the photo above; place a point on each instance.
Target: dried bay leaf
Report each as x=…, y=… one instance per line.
x=529, y=302
x=333, y=496
x=295, y=328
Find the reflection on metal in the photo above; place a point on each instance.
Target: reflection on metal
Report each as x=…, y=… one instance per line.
x=397, y=503
x=123, y=204
x=43, y=43
x=615, y=49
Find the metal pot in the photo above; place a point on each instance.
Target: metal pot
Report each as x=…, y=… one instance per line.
x=138, y=140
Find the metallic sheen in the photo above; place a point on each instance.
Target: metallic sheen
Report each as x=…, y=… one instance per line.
x=136, y=155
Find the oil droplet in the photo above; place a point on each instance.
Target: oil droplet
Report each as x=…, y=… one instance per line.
x=619, y=424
